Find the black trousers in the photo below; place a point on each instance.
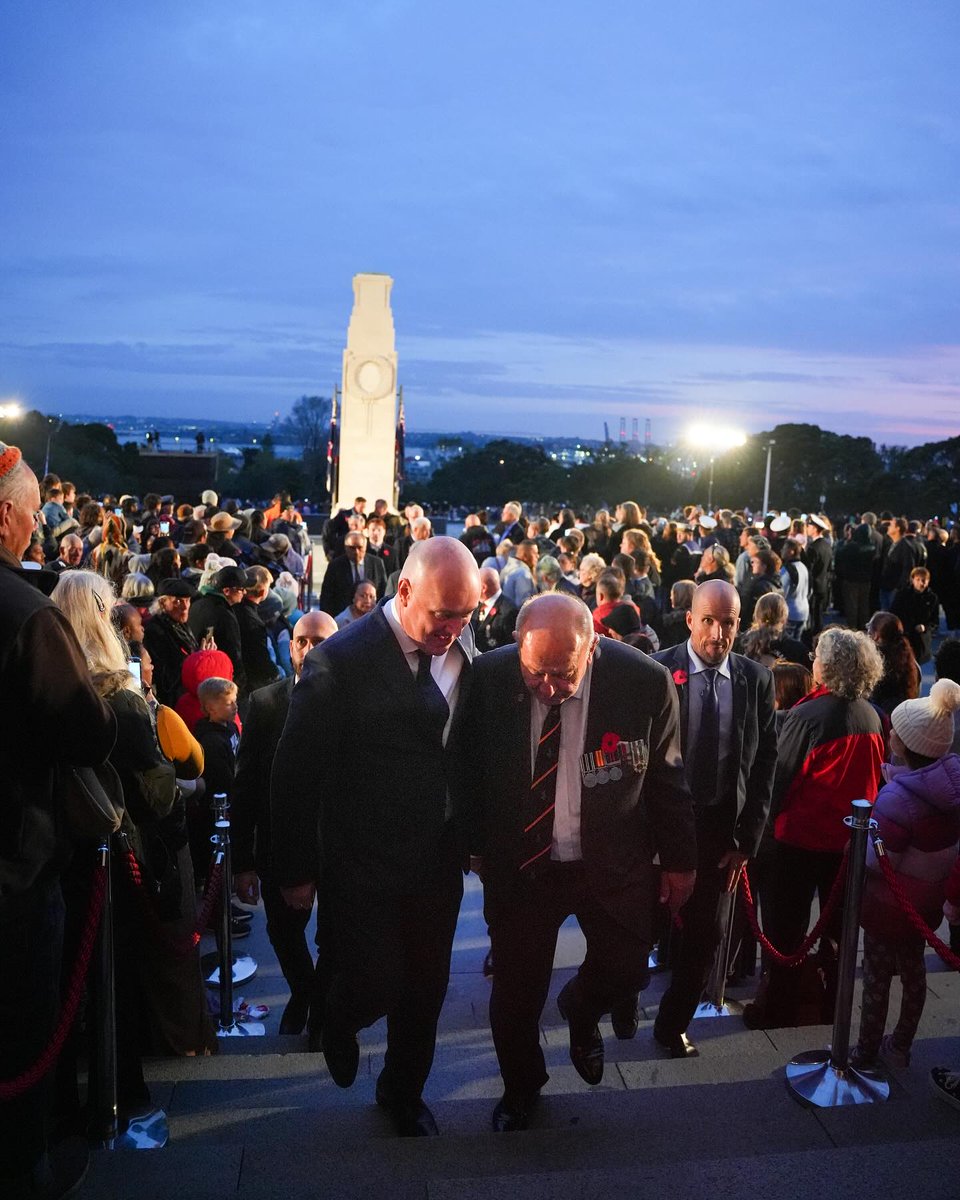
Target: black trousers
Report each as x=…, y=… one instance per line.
x=693, y=951
x=392, y=959
x=796, y=876
x=31, y=939
x=286, y=929
x=523, y=937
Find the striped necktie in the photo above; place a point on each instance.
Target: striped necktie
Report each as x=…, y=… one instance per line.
x=537, y=837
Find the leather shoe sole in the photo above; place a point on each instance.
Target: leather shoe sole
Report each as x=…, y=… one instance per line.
x=411, y=1118
x=679, y=1045
x=625, y=1018
x=586, y=1045
x=513, y=1115
x=342, y=1052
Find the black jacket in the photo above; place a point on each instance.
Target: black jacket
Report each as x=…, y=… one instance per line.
x=497, y=629
x=251, y=795
x=215, y=611
x=259, y=667
x=168, y=644
x=336, y=591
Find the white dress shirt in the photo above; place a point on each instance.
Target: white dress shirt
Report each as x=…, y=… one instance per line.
x=566, y=813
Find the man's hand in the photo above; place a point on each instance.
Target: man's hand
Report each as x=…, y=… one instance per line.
x=247, y=886
x=302, y=896
x=733, y=863
x=676, y=888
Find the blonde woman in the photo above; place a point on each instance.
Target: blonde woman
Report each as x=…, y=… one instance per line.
x=111, y=558
x=152, y=976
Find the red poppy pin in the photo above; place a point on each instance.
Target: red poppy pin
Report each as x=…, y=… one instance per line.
x=491, y=613
x=680, y=677
x=609, y=743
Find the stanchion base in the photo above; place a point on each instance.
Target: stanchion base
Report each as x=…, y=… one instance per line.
x=243, y=1029
x=149, y=1132
x=729, y=1008
x=816, y=1083
x=244, y=969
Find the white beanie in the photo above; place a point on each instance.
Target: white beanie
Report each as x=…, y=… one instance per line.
x=926, y=726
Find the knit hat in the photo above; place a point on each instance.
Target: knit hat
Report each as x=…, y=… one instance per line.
x=9, y=457
x=926, y=726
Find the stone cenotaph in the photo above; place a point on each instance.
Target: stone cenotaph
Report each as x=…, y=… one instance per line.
x=368, y=398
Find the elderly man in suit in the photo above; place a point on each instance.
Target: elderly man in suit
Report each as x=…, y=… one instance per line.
x=385, y=847
x=253, y=874
x=575, y=757
x=347, y=570
x=729, y=743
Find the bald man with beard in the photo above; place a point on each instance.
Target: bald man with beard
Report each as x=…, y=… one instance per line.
x=382, y=836
x=253, y=873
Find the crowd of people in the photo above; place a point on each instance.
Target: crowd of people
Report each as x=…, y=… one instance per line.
x=595, y=712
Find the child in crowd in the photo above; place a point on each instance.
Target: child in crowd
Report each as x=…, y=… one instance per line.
x=918, y=812
x=217, y=733
x=919, y=611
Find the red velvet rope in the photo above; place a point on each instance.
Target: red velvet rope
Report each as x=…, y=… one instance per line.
x=207, y=904
x=910, y=912
x=798, y=956
x=11, y=1089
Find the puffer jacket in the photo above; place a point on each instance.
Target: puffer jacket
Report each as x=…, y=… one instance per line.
x=918, y=813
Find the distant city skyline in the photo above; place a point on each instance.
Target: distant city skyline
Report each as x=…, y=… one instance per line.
x=742, y=216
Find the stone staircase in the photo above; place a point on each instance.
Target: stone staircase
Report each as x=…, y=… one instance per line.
x=264, y=1120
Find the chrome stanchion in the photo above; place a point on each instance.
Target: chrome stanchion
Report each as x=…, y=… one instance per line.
x=145, y=1131
x=716, y=1004
x=824, y=1078
x=228, y=1025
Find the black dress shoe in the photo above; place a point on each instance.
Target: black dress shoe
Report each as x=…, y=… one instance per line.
x=586, y=1044
x=342, y=1052
x=411, y=1118
x=512, y=1113
x=625, y=1018
x=295, y=1015
x=679, y=1045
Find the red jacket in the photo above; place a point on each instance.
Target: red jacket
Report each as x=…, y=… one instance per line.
x=830, y=751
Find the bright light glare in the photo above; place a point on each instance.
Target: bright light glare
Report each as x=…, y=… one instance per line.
x=715, y=438
x=10, y=410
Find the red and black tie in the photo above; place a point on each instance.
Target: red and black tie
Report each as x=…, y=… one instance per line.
x=537, y=813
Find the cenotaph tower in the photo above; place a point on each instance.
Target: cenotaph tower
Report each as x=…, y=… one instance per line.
x=368, y=398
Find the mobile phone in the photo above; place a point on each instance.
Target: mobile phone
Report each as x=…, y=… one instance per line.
x=164, y=527
x=133, y=666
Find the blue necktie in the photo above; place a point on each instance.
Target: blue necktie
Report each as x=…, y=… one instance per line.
x=706, y=748
x=433, y=698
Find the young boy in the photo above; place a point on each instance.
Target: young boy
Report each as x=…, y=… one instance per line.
x=217, y=733
x=919, y=610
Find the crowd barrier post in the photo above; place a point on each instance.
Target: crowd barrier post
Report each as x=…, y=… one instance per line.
x=146, y=1131
x=715, y=1004
x=825, y=1078
x=228, y=1026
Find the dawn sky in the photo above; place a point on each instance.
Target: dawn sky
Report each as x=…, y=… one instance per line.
x=745, y=212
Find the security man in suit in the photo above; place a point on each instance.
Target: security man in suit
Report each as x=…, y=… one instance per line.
x=250, y=814
x=729, y=745
x=579, y=783
x=386, y=846
x=496, y=616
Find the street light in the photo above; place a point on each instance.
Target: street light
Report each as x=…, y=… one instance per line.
x=714, y=439
x=766, y=482
x=10, y=410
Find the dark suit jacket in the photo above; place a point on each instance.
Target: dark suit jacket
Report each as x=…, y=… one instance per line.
x=753, y=756
x=250, y=814
x=336, y=813
x=336, y=591
x=215, y=610
x=623, y=824
x=497, y=628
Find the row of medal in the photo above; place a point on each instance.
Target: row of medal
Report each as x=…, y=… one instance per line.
x=599, y=766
